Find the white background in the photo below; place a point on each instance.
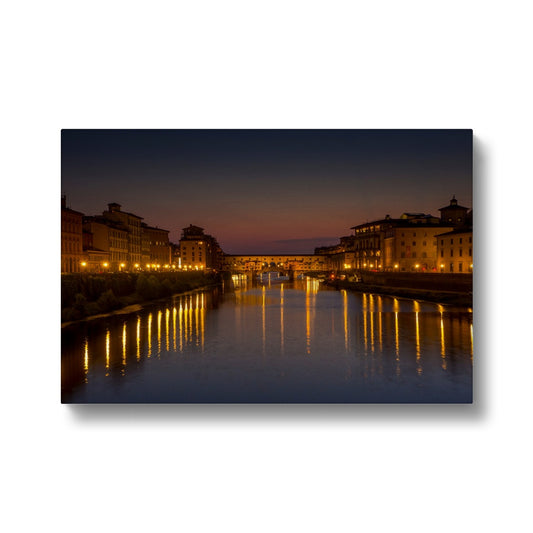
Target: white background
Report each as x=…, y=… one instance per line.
x=197, y=64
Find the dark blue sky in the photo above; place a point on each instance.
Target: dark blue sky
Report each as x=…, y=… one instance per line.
x=266, y=190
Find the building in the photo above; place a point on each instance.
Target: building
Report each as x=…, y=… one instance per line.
x=158, y=246
x=95, y=260
x=132, y=224
x=454, y=214
x=412, y=247
x=146, y=263
x=404, y=244
x=109, y=237
x=199, y=251
x=71, y=239
x=455, y=252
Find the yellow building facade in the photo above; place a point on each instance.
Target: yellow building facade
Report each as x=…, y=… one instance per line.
x=455, y=251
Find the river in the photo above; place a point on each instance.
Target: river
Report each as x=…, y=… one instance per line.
x=285, y=342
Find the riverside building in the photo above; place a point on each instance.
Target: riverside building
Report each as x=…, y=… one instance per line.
x=71, y=239
x=199, y=251
x=158, y=246
x=132, y=224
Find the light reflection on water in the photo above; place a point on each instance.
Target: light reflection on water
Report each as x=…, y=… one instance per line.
x=288, y=342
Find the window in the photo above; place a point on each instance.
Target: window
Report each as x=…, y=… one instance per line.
x=470, y=252
x=423, y=243
x=414, y=234
x=451, y=253
x=442, y=253
x=460, y=252
x=451, y=267
x=414, y=243
x=442, y=242
x=403, y=243
x=460, y=240
x=460, y=267
x=451, y=241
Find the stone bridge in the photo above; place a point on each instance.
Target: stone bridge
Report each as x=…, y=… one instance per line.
x=286, y=264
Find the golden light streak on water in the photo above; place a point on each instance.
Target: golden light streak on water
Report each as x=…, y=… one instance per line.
x=307, y=321
x=380, y=325
x=202, y=325
x=263, y=314
x=185, y=322
x=471, y=340
x=174, y=315
x=107, y=349
x=345, y=316
x=180, y=319
x=397, y=343
x=189, y=336
x=396, y=305
x=124, y=338
x=282, y=334
x=417, y=342
x=442, y=344
x=86, y=358
x=196, y=320
x=365, y=310
x=167, y=332
x=149, y=336
x=371, y=313
x=159, y=316
x=138, y=338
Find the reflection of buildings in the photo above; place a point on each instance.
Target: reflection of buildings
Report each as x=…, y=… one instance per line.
x=71, y=238
x=198, y=250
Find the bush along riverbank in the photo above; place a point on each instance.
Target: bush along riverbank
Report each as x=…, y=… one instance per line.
x=84, y=295
x=462, y=299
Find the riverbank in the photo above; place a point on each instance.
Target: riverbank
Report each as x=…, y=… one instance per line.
x=84, y=295
x=131, y=308
x=461, y=299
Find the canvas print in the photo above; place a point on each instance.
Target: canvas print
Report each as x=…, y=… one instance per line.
x=266, y=266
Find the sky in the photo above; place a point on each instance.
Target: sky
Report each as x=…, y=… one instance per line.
x=266, y=191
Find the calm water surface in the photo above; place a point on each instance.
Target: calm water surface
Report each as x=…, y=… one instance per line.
x=290, y=342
